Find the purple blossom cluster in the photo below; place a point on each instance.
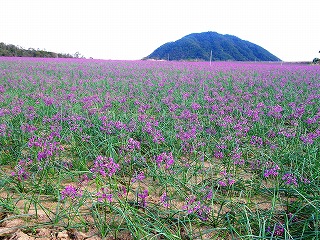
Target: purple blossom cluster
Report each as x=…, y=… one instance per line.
x=104, y=166
x=46, y=147
x=272, y=170
x=277, y=230
x=164, y=199
x=150, y=128
x=142, y=198
x=275, y=111
x=310, y=137
x=133, y=144
x=196, y=207
x=111, y=127
x=227, y=179
x=165, y=159
x=139, y=177
x=236, y=156
x=28, y=128
x=290, y=179
x=22, y=172
x=3, y=129
x=104, y=195
x=256, y=141
x=71, y=192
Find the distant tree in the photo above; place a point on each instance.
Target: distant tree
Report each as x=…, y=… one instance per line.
x=10, y=50
x=316, y=60
x=78, y=55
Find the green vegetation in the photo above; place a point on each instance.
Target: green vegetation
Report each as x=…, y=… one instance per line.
x=10, y=50
x=159, y=150
x=198, y=46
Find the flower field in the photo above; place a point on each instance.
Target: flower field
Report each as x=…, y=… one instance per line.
x=94, y=149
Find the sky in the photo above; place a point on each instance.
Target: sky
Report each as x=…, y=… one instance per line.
x=133, y=29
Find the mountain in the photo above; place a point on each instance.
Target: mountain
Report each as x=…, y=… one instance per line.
x=198, y=46
x=10, y=50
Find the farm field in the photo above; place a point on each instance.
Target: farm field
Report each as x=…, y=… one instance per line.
x=93, y=149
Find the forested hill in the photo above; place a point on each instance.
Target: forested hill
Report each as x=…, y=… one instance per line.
x=198, y=46
x=10, y=50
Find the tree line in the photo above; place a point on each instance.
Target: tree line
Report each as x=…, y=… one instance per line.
x=10, y=50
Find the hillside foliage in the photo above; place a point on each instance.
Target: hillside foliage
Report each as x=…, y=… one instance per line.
x=10, y=50
x=198, y=46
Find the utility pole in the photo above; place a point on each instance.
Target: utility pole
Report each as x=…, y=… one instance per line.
x=210, y=57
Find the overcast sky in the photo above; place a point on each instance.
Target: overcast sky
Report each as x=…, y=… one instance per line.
x=132, y=29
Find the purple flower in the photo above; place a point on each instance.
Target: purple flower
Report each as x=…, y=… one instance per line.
x=311, y=120
x=21, y=170
x=218, y=154
x=289, y=133
x=164, y=200
x=223, y=173
x=133, y=144
x=104, y=194
x=208, y=196
x=3, y=129
x=222, y=183
x=227, y=179
x=271, y=134
x=71, y=192
x=28, y=128
x=289, y=179
x=139, y=177
x=122, y=191
x=204, y=212
x=255, y=165
x=49, y=149
x=309, y=138
x=157, y=136
x=119, y=125
x=231, y=181
x=195, y=106
x=143, y=197
x=85, y=138
x=272, y=171
x=305, y=180
x=278, y=230
x=237, y=158
x=2, y=89
x=105, y=166
x=256, y=141
x=187, y=135
x=197, y=208
x=191, y=204
x=166, y=159
x=275, y=111
x=292, y=217
x=84, y=179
